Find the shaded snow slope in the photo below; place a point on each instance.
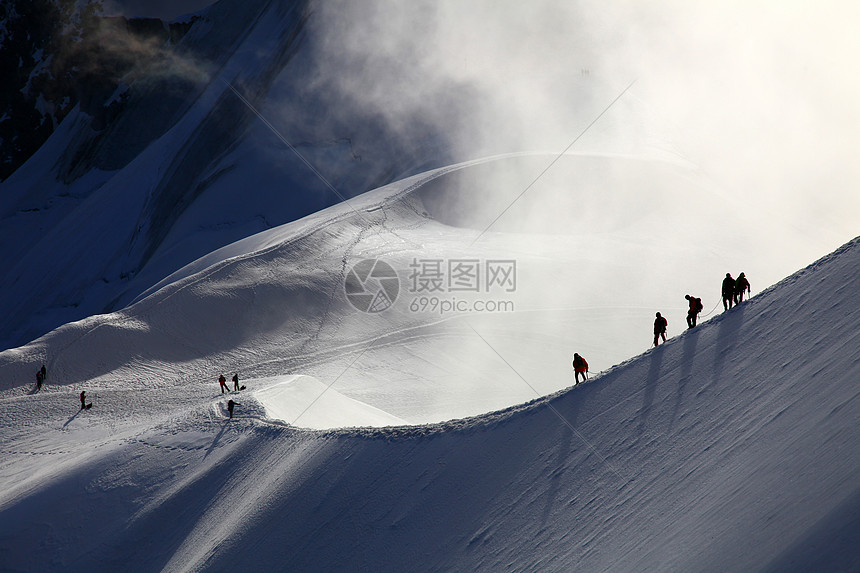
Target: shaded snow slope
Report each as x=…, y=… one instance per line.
x=732, y=447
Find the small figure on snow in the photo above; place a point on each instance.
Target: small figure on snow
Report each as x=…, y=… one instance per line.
x=84, y=405
x=660, y=324
x=236, y=381
x=742, y=285
x=223, y=382
x=230, y=405
x=580, y=366
x=728, y=291
x=695, y=308
x=40, y=377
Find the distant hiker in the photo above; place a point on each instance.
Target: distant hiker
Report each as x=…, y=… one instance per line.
x=660, y=324
x=40, y=377
x=728, y=291
x=236, y=381
x=695, y=308
x=223, y=382
x=230, y=404
x=84, y=405
x=580, y=366
x=741, y=285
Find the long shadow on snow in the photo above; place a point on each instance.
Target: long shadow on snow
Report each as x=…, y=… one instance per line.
x=154, y=537
x=69, y=421
x=691, y=340
x=83, y=515
x=554, y=487
x=730, y=323
x=217, y=439
x=348, y=512
x=650, y=386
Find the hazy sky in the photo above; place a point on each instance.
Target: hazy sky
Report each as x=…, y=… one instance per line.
x=758, y=101
x=761, y=96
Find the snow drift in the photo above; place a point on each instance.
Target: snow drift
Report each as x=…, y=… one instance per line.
x=286, y=400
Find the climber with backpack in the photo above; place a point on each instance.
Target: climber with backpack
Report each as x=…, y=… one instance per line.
x=742, y=285
x=728, y=291
x=580, y=366
x=695, y=308
x=660, y=324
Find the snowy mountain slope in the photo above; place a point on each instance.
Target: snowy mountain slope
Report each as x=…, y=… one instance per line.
x=174, y=165
x=115, y=202
x=276, y=304
x=102, y=211
x=732, y=447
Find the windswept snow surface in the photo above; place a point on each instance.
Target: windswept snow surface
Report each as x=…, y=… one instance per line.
x=732, y=447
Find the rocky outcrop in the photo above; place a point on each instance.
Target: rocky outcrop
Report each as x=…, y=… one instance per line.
x=55, y=56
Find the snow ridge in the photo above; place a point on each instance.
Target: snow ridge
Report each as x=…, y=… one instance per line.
x=731, y=447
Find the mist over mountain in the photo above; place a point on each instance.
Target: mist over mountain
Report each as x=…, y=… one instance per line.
x=109, y=105
x=160, y=117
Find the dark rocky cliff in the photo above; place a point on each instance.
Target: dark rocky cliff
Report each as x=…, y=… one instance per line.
x=54, y=56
